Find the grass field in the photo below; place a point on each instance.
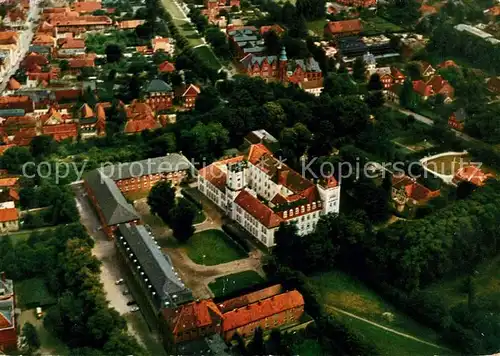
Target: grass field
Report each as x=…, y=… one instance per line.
x=486, y=283
x=307, y=347
x=32, y=293
x=448, y=164
x=342, y=291
x=212, y=247
x=389, y=343
x=208, y=56
x=23, y=235
x=376, y=25
x=317, y=26
x=231, y=283
x=411, y=144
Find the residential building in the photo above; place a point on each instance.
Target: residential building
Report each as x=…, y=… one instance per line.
x=15, y=18
x=357, y=3
x=442, y=86
x=246, y=40
x=143, y=175
x=61, y=132
x=166, y=67
x=72, y=47
x=152, y=269
x=423, y=89
x=259, y=192
x=457, y=119
x=343, y=28
x=9, y=220
x=393, y=93
x=277, y=29
x=473, y=175
x=388, y=75
x=188, y=95
x=8, y=322
x=80, y=24
x=17, y=102
x=160, y=95
x=130, y=24
x=406, y=191
x=92, y=122
x=314, y=87
x=140, y=117
x=268, y=309
x=163, y=44
x=426, y=69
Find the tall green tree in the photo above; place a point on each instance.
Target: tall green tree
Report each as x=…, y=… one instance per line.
x=359, y=70
x=30, y=336
x=182, y=218
x=161, y=199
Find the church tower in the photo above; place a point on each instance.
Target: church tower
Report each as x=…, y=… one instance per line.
x=283, y=66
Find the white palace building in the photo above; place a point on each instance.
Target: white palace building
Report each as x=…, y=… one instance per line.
x=260, y=192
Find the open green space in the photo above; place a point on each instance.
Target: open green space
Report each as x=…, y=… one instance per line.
x=187, y=30
x=347, y=293
x=317, y=26
x=376, y=25
x=23, y=235
x=208, y=56
x=486, y=281
x=307, y=347
x=32, y=293
x=173, y=9
x=411, y=144
x=234, y=282
x=212, y=247
x=448, y=164
x=387, y=342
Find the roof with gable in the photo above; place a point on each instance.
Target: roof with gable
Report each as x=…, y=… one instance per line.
x=421, y=88
x=215, y=175
x=155, y=264
x=8, y=37
x=191, y=90
x=251, y=59
x=9, y=214
x=17, y=102
x=448, y=63
x=472, y=174
x=192, y=316
x=66, y=20
x=412, y=189
x=61, y=131
x=13, y=84
x=73, y=44
x=262, y=309
x=260, y=211
x=166, y=67
x=23, y=136
x=86, y=111
x=275, y=28
x=130, y=24
x=77, y=63
x=140, y=117
x=172, y=162
x=33, y=59
x=249, y=298
x=158, y=86
x=16, y=14
x=87, y=6
x=346, y=26
x=307, y=65
x=396, y=73
x=115, y=208
x=8, y=182
x=42, y=39
x=441, y=86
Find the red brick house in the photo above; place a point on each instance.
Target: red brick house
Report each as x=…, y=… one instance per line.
x=8, y=334
x=166, y=67
x=423, y=89
x=343, y=28
x=471, y=174
x=188, y=95
x=388, y=76
x=442, y=86
x=268, y=308
x=276, y=28
x=140, y=117
x=61, y=131
x=358, y=3
x=17, y=102
x=160, y=95
x=457, y=119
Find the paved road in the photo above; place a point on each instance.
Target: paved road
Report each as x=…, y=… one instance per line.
x=384, y=327
x=428, y=121
x=25, y=41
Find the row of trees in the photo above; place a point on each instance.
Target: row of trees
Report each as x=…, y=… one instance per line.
x=81, y=318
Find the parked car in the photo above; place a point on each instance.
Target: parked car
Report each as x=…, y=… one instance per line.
x=134, y=309
x=132, y=302
x=119, y=281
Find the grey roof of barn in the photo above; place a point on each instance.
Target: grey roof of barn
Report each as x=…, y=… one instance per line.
x=156, y=265
x=158, y=86
x=308, y=65
x=115, y=208
x=172, y=162
x=250, y=60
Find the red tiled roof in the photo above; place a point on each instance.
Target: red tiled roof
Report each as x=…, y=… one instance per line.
x=396, y=73
x=87, y=6
x=262, y=309
x=8, y=37
x=441, y=86
x=61, y=131
x=260, y=211
x=80, y=20
x=166, y=67
x=24, y=136
x=8, y=182
x=4, y=322
x=13, y=84
x=495, y=10
x=73, y=43
x=472, y=174
x=420, y=193
x=194, y=315
x=67, y=94
x=130, y=24
x=256, y=152
x=428, y=9
x=192, y=90
x=140, y=117
x=346, y=26
x=14, y=194
x=276, y=28
x=421, y=88
x=16, y=14
x=214, y=175
x=16, y=102
x=76, y=63
x=249, y=298
x=9, y=214
x=447, y=64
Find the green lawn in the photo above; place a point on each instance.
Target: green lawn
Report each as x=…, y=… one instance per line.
x=307, y=347
x=23, y=235
x=486, y=283
x=173, y=9
x=208, y=56
x=389, y=343
x=212, y=247
x=231, y=283
x=187, y=29
x=376, y=25
x=32, y=293
x=317, y=26
x=411, y=144
x=342, y=291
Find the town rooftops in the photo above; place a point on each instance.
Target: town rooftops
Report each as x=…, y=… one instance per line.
x=249, y=298
x=472, y=174
x=307, y=65
x=156, y=265
x=192, y=316
x=9, y=214
x=8, y=182
x=166, y=67
x=11, y=112
x=73, y=44
x=115, y=208
x=346, y=26
x=130, y=24
x=87, y=6
x=260, y=211
x=80, y=21
x=250, y=59
x=158, y=86
x=170, y=163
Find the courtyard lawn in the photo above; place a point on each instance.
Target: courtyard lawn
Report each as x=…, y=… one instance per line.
x=32, y=293
x=340, y=290
x=448, y=164
x=376, y=25
x=234, y=282
x=212, y=247
x=387, y=342
x=207, y=55
x=317, y=26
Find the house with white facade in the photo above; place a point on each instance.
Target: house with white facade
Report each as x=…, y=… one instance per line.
x=260, y=192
